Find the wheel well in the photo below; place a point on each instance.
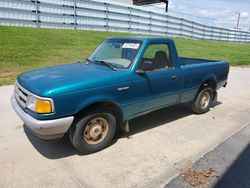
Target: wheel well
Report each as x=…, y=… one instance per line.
x=210, y=83
x=113, y=108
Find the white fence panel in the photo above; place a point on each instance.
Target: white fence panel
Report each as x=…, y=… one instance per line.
x=108, y=16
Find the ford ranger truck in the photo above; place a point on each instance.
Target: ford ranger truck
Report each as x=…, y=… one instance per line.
x=125, y=77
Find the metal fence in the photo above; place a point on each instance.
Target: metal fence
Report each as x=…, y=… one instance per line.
x=108, y=16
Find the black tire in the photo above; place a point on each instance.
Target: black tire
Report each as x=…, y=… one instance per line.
x=198, y=106
x=79, y=139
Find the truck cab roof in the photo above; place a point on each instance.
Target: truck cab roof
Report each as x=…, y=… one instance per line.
x=143, y=38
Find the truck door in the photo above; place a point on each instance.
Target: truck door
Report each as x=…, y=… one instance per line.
x=161, y=86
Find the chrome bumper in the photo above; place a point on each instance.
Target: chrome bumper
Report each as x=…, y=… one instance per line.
x=46, y=129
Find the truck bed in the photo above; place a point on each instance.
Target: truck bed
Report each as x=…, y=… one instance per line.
x=188, y=61
x=196, y=71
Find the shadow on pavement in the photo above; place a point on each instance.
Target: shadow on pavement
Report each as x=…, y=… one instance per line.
x=51, y=149
x=161, y=117
x=158, y=118
x=62, y=148
x=238, y=174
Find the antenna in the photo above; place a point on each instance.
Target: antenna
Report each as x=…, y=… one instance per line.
x=238, y=21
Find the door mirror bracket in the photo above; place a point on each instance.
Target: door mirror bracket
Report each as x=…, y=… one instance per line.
x=145, y=66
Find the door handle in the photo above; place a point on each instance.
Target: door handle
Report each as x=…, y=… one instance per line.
x=173, y=77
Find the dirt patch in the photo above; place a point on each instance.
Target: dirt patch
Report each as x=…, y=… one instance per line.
x=243, y=66
x=198, y=177
x=5, y=74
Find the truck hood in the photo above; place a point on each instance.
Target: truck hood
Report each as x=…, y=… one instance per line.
x=68, y=78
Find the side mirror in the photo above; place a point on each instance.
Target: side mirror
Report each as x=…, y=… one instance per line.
x=145, y=66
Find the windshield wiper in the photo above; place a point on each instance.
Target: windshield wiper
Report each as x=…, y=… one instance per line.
x=103, y=62
x=107, y=64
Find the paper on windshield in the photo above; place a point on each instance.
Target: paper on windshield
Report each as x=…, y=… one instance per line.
x=131, y=45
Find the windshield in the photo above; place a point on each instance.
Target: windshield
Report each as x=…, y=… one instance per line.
x=120, y=53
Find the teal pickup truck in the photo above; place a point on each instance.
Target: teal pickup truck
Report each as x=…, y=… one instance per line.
x=125, y=77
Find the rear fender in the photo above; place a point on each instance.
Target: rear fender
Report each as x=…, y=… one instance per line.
x=210, y=78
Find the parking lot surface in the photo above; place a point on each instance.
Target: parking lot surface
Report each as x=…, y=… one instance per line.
x=159, y=146
x=227, y=164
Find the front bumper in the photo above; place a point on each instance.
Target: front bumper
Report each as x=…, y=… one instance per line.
x=45, y=129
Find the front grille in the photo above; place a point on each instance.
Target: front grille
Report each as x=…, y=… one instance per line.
x=20, y=95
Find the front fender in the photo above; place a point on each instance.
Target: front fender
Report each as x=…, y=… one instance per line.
x=96, y=99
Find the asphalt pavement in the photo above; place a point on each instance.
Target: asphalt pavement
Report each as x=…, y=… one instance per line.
x=229, y=163
x=157, y=149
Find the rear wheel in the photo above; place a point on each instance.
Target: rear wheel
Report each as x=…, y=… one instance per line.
x=202, y=101
x=93, y=132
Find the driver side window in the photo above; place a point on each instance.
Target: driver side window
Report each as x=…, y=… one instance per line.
x=158, y=54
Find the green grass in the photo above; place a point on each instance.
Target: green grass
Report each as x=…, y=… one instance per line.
x=23, y=49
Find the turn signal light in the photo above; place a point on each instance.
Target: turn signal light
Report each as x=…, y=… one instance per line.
x=43, y=106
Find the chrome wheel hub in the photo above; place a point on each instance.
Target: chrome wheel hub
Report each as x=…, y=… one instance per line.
x=205, y=99
x=96, y=130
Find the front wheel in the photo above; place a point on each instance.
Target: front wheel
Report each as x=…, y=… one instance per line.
x=93, y=132
x=202, y=101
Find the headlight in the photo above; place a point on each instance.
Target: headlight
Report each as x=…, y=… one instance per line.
x=41, y=106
